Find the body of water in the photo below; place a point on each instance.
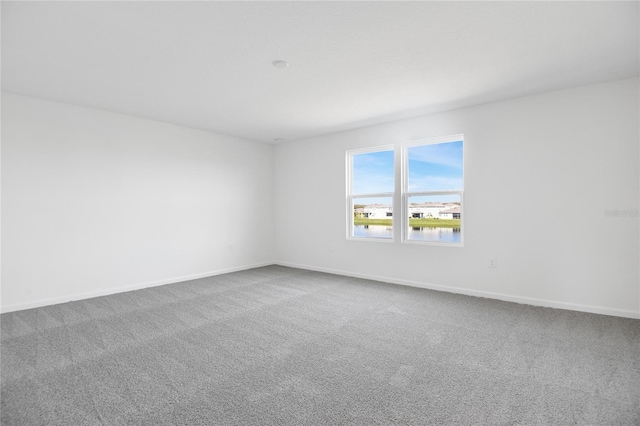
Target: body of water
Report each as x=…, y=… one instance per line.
x=434, y=235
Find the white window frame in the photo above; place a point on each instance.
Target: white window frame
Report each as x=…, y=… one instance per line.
x=351, y=196
x=406, y=194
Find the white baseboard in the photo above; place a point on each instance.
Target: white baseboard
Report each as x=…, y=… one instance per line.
x=106, y=292
x=477, y=293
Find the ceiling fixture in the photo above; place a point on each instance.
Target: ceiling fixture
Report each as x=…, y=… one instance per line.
x=280, y=64
x=278, y=140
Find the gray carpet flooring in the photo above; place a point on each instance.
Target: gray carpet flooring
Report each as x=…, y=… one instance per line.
x=282, y=346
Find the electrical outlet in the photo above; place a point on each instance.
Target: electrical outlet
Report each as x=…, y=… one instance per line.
x=493, y=262
x=331, y=249
x=230, y=248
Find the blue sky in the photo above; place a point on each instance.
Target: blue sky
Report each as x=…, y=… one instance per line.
x=373, y=172
x=435, y=167
x=431, y=168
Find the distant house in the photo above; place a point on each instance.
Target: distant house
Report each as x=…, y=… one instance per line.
x=426, y=210
x=451, y=213
x=377, y=211
x=418, y=211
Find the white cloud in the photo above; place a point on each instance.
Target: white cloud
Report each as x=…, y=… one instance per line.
x=444, y=154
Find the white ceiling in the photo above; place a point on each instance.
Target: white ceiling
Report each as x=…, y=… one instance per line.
x=208, y=65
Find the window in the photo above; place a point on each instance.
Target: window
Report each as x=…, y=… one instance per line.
x=433, y=190
x=370, y=193
x=432, y=176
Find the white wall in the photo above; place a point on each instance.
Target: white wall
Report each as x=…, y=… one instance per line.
x=575, y=151
x=95, y=202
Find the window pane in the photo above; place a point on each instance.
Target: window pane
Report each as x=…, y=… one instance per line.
x=373, y=172
x=435, y=167
x=434, y=218
x=373, y=217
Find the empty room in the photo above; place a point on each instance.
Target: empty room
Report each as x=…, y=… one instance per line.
x=320, y=213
